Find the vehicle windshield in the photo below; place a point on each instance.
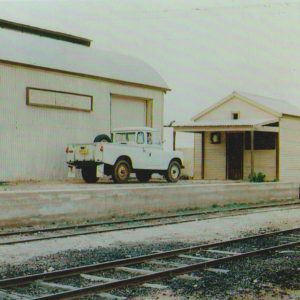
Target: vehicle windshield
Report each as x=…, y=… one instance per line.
x=124, y=137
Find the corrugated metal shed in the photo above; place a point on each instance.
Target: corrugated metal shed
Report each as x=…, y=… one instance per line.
x=57, y=55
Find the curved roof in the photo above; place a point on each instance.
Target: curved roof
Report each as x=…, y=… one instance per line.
x=57, y=55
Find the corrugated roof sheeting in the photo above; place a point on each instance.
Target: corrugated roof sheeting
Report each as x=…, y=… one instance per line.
x=280, y=106
x=231, y=123
x=57, y=55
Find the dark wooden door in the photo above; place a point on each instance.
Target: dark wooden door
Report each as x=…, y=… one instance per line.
x=235, y=155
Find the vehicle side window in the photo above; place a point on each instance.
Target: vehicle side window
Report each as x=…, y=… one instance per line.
x=149, y=138
x=125, y=138
x=140, y=138
x=130, y=137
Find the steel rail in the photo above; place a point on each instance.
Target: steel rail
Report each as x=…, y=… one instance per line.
x=137, y=280
x=7, y=243
x=23, y=280
x=170, y=216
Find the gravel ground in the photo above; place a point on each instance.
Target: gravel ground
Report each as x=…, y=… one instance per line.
x=264, y=277
x=277, y=276
x=198, y=232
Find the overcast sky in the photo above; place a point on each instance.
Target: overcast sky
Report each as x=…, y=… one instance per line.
x=204, y=49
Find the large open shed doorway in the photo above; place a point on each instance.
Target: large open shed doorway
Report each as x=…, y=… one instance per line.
x=235, y=155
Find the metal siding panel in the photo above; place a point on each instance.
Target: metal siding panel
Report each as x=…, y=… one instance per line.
x=128, y=112
x=157, y=98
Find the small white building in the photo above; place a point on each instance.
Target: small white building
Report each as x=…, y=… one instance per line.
x=57, y=92
x=243, y=134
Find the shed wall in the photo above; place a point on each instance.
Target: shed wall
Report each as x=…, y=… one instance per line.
x=289, y=141
x=198, y=156
x=33, y=139
x=264, y=161
x=215, y=158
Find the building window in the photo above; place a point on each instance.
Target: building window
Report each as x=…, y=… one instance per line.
x=235, y=115
x=262, y=141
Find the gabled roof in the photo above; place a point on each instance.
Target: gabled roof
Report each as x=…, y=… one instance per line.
x=227, y=123
x=274, y=106
x=42, y=52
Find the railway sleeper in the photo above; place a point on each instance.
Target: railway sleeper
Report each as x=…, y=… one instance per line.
x=95, y=278
x=52, y=285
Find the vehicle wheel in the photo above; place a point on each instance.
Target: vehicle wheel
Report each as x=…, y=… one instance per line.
x=121, y=171
x=102, y=138
x=143, y=176
x=89, y=174
x=174, y=171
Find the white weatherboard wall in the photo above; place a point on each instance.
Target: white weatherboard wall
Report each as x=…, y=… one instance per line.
x=289, y=160
x=246, y=111
x=198, y=156
x=264, y=161
x=215, y=158
x=33, y=139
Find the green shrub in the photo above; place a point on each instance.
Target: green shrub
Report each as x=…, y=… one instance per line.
x=257, y=177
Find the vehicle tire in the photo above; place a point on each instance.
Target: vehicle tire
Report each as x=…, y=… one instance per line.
x=89, y=174
x=102, y=138
x=174, y=171
x=121, y=171
x=143, y=176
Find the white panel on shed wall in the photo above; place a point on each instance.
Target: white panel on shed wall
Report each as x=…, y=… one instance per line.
x=33, y=139
x=57, y=100
x=128, y=112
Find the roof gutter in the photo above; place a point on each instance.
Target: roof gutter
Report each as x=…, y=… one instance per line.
x=45, y=32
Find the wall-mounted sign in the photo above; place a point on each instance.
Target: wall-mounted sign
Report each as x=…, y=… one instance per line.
x=59, y=99
x=215, y=137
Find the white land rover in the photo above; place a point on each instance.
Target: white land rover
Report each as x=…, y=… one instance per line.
x=131, y=150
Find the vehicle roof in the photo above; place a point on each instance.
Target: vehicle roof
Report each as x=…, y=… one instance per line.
x=131, y=129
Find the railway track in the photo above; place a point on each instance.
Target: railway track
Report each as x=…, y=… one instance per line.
x=103, y=278
x=40, y=234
